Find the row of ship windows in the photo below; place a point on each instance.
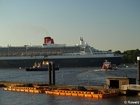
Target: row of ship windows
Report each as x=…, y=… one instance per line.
x=32, y=48
x=39, y=51
x=50, y=51
x=28, y=54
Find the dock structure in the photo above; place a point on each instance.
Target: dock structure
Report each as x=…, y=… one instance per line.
x=20, y=84
x=24, y=89
x=117, y=82
x=88, y=94
x=72, y=90
x=69, y=90
x=131, y=89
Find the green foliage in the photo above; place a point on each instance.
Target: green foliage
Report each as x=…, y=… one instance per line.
x=129, y=56
x=118, y=52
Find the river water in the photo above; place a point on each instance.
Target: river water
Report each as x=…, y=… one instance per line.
x=65, y=76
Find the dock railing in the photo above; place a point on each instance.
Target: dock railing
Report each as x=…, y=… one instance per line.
x=134, y=87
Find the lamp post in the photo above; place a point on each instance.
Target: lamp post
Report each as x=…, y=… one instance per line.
x=138, y=62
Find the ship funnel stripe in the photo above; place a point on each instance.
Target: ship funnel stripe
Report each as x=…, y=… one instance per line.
x=48, y=40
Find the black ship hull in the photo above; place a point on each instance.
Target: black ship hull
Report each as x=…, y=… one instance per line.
x=65, y=62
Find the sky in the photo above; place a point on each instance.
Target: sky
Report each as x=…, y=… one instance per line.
x=104, y=24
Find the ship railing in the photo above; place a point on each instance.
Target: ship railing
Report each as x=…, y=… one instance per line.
x=131, y=87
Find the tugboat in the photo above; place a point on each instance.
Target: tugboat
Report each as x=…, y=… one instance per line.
x=108, y=66
x=41, y=66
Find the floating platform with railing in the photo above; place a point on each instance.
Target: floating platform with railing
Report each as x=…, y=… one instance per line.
x=65, y=90
x=98, y=92
x=24, y=89
x=88, y=94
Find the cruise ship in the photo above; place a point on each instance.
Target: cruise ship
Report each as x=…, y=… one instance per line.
x=79, y=55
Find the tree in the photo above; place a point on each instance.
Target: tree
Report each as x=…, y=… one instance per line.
x=130, y=56
x=118, y=52
x=110, y=50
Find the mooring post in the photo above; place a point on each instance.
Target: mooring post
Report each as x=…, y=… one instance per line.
x=138, y=63
x=50, y=77
x=53, y=73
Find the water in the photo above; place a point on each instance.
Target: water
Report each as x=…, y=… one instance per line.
x=67, y=76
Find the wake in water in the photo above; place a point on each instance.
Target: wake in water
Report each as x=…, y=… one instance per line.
x=97, y=70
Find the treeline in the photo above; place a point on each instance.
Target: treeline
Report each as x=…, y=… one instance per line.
x=129, y=56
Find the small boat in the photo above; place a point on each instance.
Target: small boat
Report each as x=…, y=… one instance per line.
x=108, y=66
x=41, y=66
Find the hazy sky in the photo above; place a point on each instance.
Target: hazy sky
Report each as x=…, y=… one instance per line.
x=104, y=24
